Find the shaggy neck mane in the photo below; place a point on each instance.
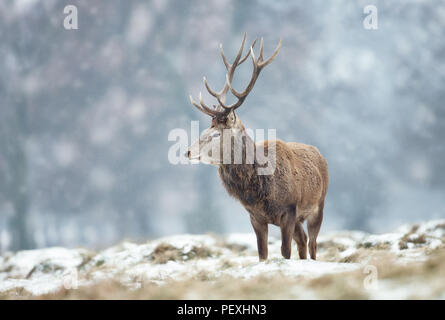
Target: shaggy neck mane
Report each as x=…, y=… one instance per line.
x=243, y=182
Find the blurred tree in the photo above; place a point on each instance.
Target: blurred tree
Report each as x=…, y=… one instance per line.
x=85, y=113
x=13, y=137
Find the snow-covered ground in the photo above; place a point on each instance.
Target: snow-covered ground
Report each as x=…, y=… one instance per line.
x=210, y=258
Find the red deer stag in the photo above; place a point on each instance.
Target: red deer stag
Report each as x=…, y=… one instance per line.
x=292, y=193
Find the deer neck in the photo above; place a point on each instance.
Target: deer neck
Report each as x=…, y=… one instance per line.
x=239, y=178
x=248, y=153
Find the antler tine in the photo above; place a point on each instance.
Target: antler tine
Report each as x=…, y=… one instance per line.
x=202, y=102
x=229, y=76
x=213, y=93
x=229, y=66
x=235, y=63
x=226, y=63
x=265, y=63
x=240, y=52
x=248, y=52
x=238, y=56
x=260, y=57
x=206, y=110
x=256, y=71
x=258, y=65
x=230, y=71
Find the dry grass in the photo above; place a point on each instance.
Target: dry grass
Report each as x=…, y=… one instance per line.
x=363, y=255
x=411, y=237
x=398, y=271
x=376, y=246
x=239, y=248
x=340, y=286
x=330, y=251
x=165, y=252
x=336, y=286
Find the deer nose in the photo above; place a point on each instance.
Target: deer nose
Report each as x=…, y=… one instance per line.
x=187, y=154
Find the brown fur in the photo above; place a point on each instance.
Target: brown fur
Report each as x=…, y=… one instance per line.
x=294, y=193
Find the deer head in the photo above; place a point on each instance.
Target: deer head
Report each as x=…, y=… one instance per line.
x=211, y=145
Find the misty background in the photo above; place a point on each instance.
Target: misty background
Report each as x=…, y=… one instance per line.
x=85, y=114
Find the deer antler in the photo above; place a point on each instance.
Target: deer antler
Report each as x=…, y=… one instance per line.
x=258, y=64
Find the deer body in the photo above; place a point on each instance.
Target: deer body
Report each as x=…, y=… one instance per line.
x=295, y=190
x=294, y=193
x=299, y=182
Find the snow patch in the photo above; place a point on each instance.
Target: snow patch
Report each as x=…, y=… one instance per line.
x=206, y=257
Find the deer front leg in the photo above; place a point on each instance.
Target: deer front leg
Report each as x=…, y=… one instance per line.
x=261, y=230
x=300, y=238
x=287, y=227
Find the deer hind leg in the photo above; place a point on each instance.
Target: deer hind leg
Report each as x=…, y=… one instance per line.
x=287, y=227
x=313, y=227
x=300, y=238
x=261, y=230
